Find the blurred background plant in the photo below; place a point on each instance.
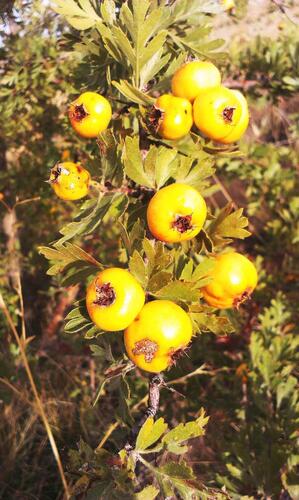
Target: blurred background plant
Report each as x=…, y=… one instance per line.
x=247, y=382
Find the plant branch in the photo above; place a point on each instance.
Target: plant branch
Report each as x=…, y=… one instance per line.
x=181, y=380
x=155, y=383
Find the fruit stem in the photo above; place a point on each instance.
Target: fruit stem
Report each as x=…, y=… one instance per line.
x=155, y=383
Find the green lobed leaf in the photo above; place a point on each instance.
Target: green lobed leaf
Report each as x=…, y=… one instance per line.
x=132, y=93
x=159, y=280
x=209, y=322
x=174, y=438
x=178, y=478
x=148, y=493
x=158, y=258
x=64, y=255
x=178, y=291
x=153, y=66
x=228, y=225
x=81, y=18
x=177, y=470
x=154, y=46
x=150, y=432
x=77, y=320
x=195, y=172
x=110, y=44
x=201, y=274
x=138, y=268
x=165, y=167
x=108, y=11
x=123, y=44
x=92, y=213
x=134, y=167
x=187, y=271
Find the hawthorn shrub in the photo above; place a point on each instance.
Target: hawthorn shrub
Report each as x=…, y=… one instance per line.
x=249, y=449
x=138, y=47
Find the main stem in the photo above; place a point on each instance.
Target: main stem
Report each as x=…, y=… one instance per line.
x=153, y=396
x=155, y=383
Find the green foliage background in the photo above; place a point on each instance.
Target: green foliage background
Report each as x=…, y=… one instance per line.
x=246, y=382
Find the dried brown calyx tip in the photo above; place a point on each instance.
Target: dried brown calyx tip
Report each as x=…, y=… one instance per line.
x=242, y=298
x=146, y=347
x=55, y=173
x=182, y=223
x=105, y=295
x=228, y=113
x=175, y=355
x=155, y=117
x=79, y=112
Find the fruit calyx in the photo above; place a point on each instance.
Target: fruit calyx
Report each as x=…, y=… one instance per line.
x=105, y=295
x=79, y=112
x=228, y=113
x=182, y=223
x=56, y=172
x=155, y=118
x=242, y=298
x=146, y=347
x=176, y=354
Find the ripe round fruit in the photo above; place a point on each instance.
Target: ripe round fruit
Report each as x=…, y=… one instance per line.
x=234, y=278
x=172, y=117
x=69, y=180
x=193, y=78
x=176, y=213
x=90, y=114
x=160, y=331
x=113, y=299
x=220, y=114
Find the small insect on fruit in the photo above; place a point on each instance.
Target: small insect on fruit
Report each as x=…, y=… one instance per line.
x=113, y=299
x=193, y=78
x=160, y=332
x=234, y=278
x=171, y=117
x=221, y=114
x=69, y=180
x=90, y=114
x=176, y=213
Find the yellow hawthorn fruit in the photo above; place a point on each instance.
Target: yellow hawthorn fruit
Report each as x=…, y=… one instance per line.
x=228, y=4
x=113, y=299
x=158, y=334
x=90, y=114
x=234, y=278
x=221, y=114
x=171, y=117
x=176, y=213
x=69, y=180
x=193, y=78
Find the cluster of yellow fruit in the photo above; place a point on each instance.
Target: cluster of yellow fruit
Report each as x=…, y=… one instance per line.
x=157, y=331
x=198, y=97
